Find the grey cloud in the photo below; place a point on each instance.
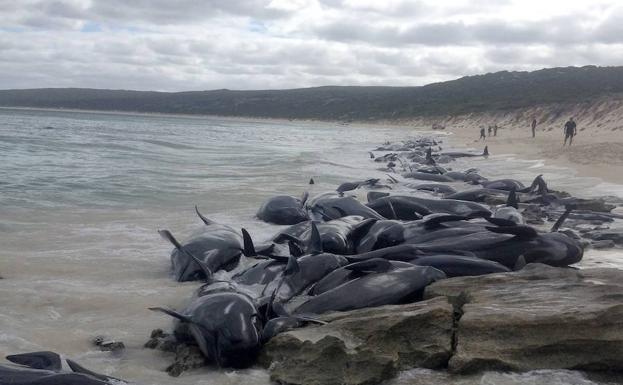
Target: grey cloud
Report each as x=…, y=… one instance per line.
x=64, y=14
x=191, y=45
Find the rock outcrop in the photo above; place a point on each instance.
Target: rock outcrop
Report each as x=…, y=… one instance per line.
x=363, y=346
x=541, y=317
x=538, y=318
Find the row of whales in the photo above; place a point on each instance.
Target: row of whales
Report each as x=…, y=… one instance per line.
x=340, y=254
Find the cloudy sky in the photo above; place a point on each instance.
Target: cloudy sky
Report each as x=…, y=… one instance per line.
x=173, y=45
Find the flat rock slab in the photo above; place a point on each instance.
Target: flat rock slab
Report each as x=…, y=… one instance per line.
x=363, y=346
x=538, y=318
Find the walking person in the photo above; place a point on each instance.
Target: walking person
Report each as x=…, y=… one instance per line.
x=490, y=129
x=533, y=127
x=482, y=133
x=570, y=131
x=495, y=130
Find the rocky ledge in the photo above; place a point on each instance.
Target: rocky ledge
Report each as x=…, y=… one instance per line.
x=538, y=318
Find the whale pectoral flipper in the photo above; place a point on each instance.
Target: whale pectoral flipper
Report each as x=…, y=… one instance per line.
x=375, y=265
x=518, y=231
x=205, y=220
x=361, y=228
x=172, y=313
x=562, y=218
x=77, y=368
x=391, y=209
x=391, y=178
x=295, y=249
x=434, y=220
x=304, y=198
x=38, y=360
x=198, y=335
x=166, y=234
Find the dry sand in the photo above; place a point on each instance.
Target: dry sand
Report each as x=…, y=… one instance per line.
x=597, y=150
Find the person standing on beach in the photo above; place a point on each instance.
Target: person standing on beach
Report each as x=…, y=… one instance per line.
x=495, y=130
x=482, y=133
x=570, y=131
x=533, y=127
x=490, y=129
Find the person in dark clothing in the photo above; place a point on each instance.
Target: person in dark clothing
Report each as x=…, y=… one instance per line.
x=570, y=131
x=490, y=129
x=533, y=127
x=495, y=130
x=482, y=134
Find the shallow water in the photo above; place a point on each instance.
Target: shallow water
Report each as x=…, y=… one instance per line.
x=82, y=195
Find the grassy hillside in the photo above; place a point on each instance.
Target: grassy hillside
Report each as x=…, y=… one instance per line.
x=495, y=91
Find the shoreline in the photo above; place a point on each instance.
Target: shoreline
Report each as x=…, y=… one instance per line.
x=597, y=150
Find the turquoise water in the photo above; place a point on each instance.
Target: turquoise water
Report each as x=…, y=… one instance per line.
x=82, y=195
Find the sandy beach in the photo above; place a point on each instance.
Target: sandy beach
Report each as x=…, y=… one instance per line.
x=597, y=150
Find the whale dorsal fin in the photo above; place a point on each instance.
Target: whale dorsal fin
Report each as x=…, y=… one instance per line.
x=512, y=200
x=248, y=249
x=315, y=241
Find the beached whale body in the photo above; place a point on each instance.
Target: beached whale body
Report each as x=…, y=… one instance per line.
x=283, y=210
x=338, y=236
x=224, y=322
x=44, y=368
x=510, y=211
x=433, y=187
x=458, y=154
x=217, y=246
x=460, y=265
x=427, y=176
x=406, y=207
x=311, y=269
x=478, y=195
x=503, y=184
x=401, y=285
x=505, y=244
x=355, y=270
x=329, y=206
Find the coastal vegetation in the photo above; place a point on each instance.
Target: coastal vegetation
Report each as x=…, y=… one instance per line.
x=500, y=91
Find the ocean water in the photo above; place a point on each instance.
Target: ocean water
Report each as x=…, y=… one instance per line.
x=83, y=194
